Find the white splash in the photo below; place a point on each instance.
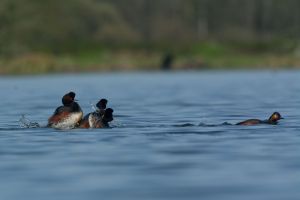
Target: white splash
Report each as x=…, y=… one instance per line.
x=94, y=107
x=26, y=123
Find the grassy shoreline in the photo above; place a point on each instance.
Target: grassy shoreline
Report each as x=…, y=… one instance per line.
x=209, y=55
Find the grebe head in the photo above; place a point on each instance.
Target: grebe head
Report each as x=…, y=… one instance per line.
x=68, y=98
x=108, y=115
x=275, y=117
x=101, y=105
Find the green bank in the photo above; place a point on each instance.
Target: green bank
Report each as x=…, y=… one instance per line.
x=131, y=57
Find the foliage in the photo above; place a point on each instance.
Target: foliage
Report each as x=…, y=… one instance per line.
x=54, y=35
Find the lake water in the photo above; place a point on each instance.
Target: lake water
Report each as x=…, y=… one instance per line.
x=167, y=140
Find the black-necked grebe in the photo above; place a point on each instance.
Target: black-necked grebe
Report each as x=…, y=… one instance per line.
x=99, y=118
x=101, y=121
x=274, y=118
x=101, y=106
x=68, y=115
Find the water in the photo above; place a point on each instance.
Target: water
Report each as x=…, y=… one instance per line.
x=167, y=141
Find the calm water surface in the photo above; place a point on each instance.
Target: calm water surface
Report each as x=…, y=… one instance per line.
x=167, y=141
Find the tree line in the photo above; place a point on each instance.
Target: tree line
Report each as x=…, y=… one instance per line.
x=55, y=25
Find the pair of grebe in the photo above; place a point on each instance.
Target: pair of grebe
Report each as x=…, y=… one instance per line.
x=69, y=115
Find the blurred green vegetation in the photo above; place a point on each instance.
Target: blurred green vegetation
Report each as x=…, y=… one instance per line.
x=52, y=36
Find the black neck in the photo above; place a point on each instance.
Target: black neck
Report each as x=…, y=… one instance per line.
x=272, y=121
x=105, y=122
x=75, y=107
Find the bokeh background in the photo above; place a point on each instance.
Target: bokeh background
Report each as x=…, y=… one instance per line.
x=53, y=36
x=171, y=136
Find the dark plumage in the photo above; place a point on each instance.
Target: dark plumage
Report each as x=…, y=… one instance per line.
x=97, y=120
x=68, y=115
x=101, y=106
x=274, y=118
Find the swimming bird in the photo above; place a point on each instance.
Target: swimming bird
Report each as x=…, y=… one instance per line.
x=101, y=106
x=99, y=112
x=274, y=118
x=97, y=119
x=68, y=115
